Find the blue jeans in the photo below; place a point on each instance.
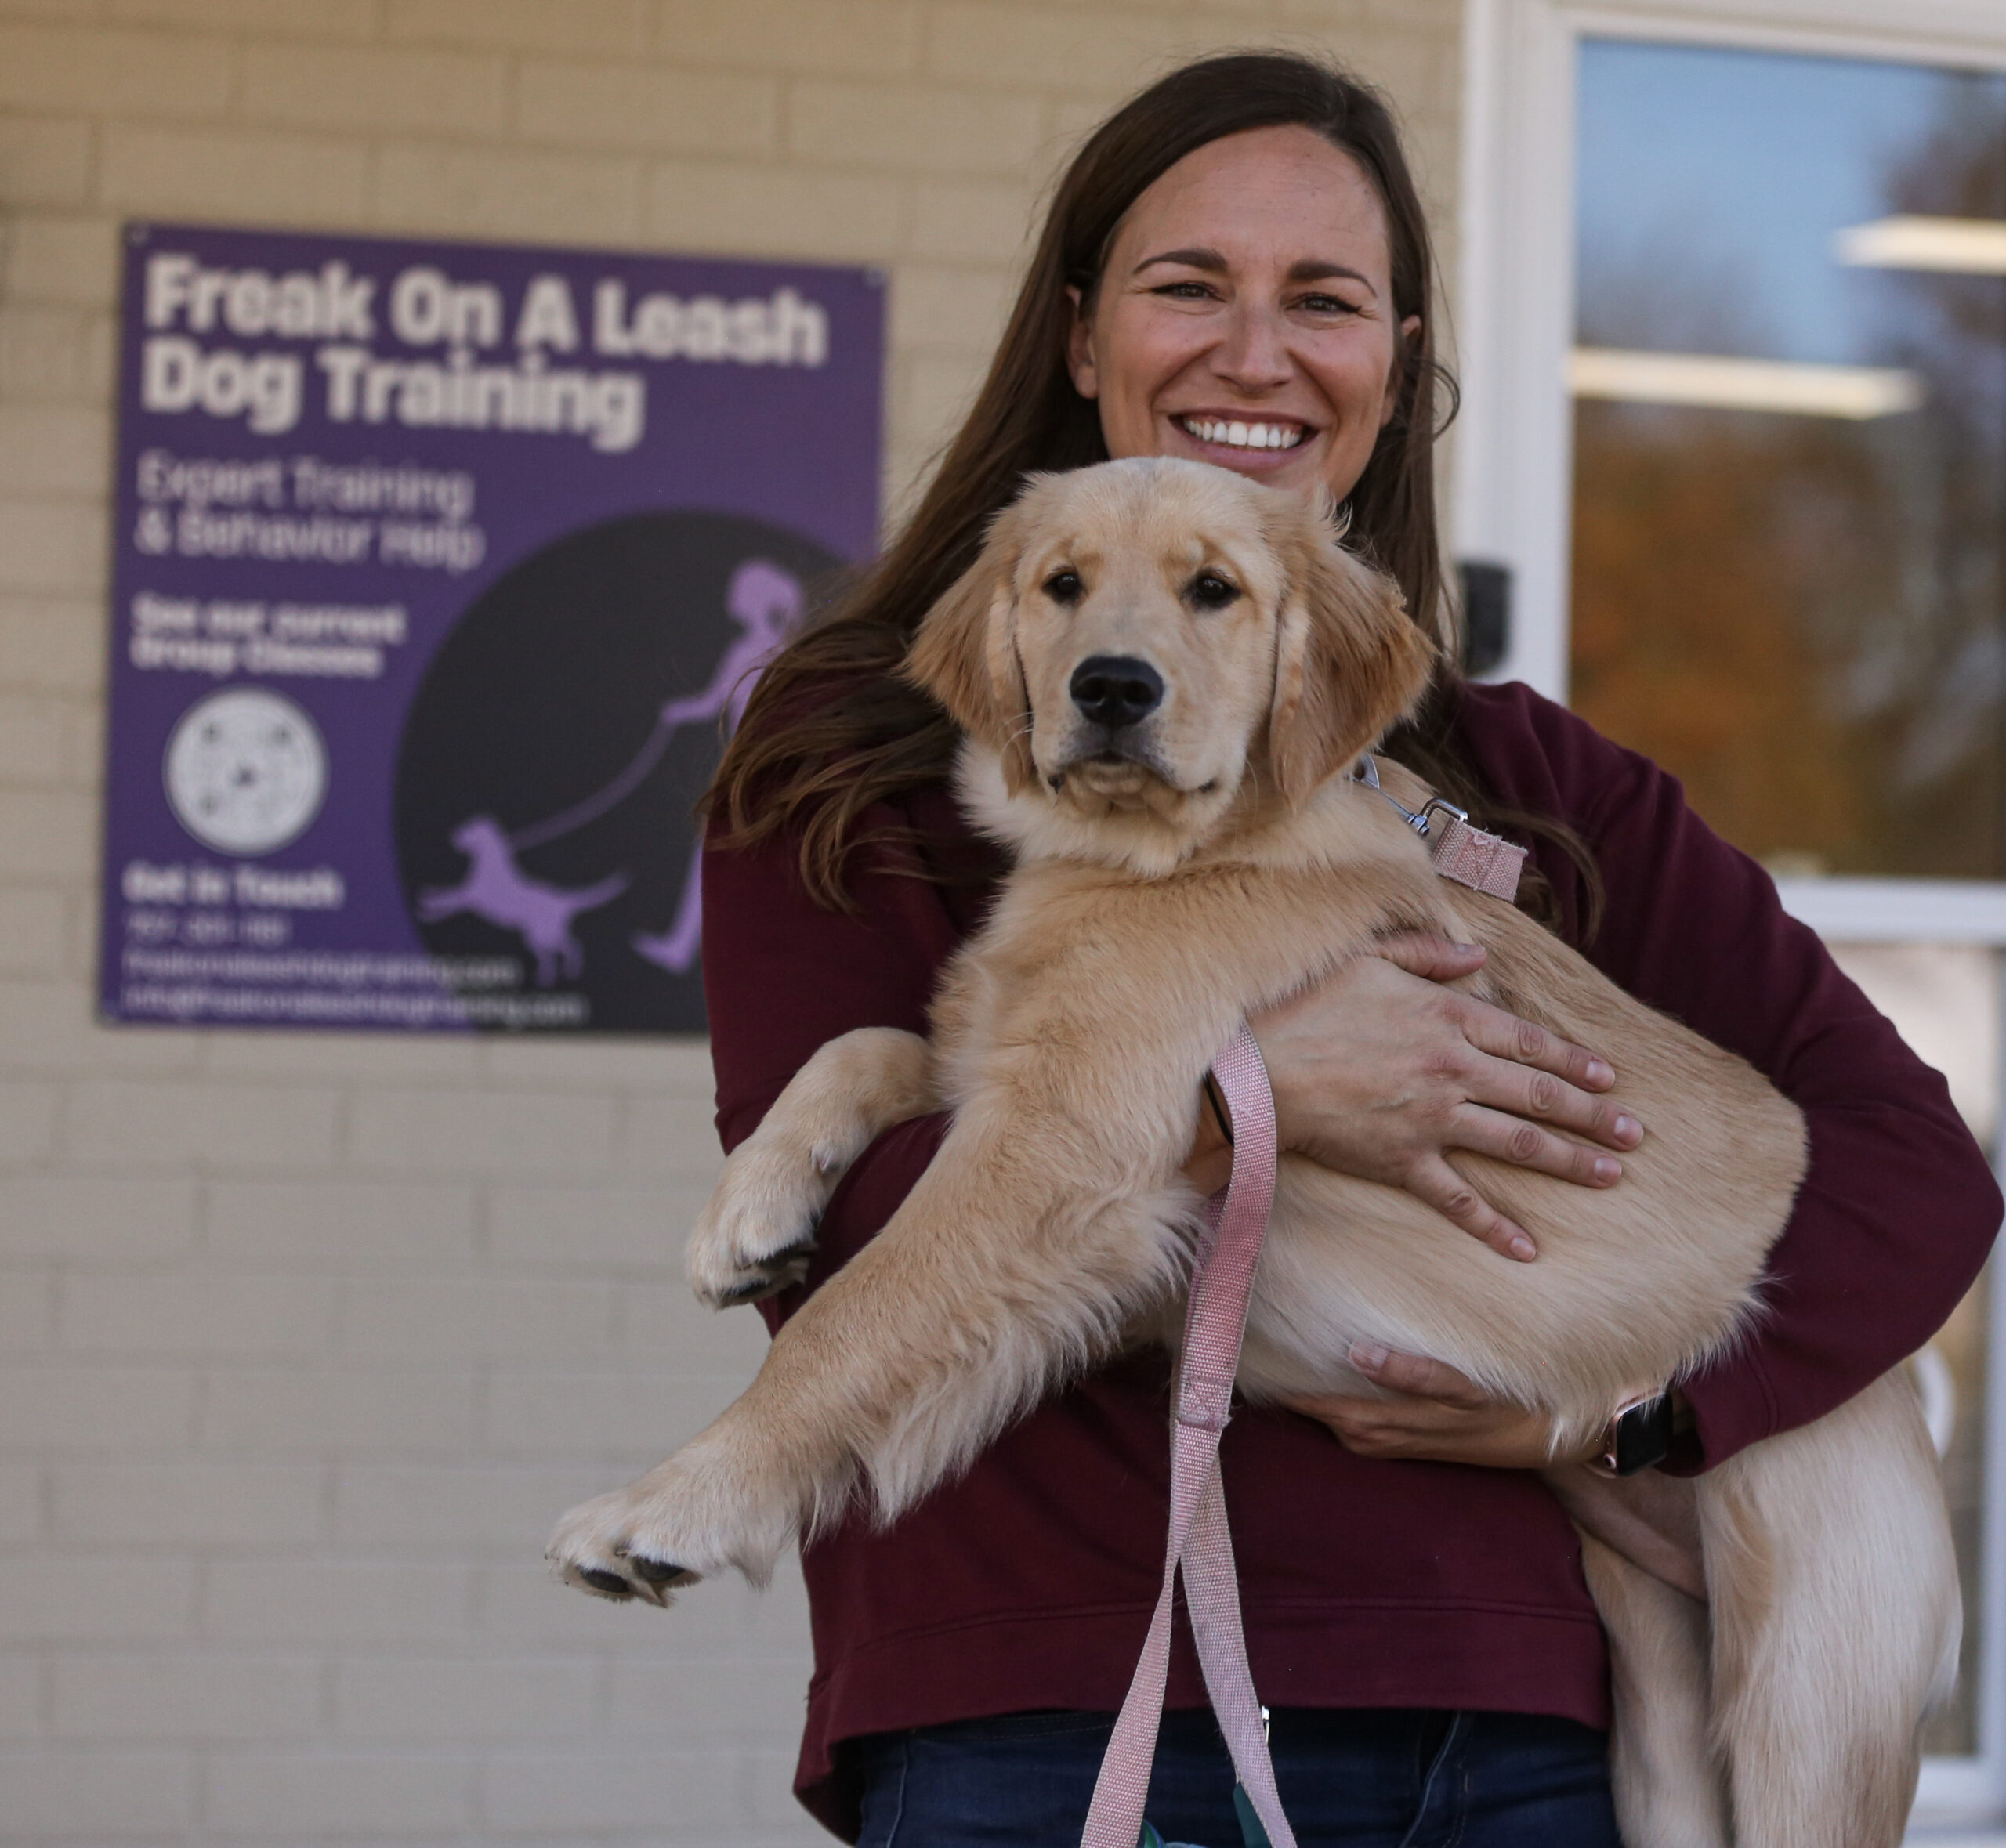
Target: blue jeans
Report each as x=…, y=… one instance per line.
x=1371, y=1778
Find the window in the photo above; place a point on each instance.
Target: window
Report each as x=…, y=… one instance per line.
x=1734, y=320
x=1789, y=376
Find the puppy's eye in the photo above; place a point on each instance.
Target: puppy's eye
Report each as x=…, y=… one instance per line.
x=1209, y=591
x=1065, y=586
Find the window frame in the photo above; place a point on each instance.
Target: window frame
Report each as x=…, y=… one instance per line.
x=1510, y=477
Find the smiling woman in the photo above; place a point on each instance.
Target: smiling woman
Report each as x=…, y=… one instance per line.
x=1235, y=270
x=1239, y=351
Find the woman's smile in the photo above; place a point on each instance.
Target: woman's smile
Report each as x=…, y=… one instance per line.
x=1223, y=430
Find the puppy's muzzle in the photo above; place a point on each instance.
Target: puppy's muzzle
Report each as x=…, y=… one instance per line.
x=1115, y=691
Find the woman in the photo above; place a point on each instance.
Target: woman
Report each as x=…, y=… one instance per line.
x=1237, y=269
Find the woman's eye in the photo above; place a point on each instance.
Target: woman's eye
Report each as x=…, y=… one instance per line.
x=1209, y=591
x=1328, y=305
x=1065, y=586
x=1185, y=291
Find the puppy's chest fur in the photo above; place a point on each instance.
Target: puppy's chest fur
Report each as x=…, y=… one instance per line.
x=1086, y=964
x=1102, y=996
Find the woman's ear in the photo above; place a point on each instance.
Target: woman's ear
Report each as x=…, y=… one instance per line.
x=1403, y=340
x=1079, y=347
x=1348, y=661
x=964, y=654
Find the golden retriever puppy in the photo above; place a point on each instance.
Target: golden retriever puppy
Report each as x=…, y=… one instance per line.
x=1164, y=671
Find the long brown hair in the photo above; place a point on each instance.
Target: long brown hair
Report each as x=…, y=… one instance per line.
x=832, y=728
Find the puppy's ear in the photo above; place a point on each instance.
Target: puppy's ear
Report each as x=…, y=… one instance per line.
x=1348, y=661
x=966, y=655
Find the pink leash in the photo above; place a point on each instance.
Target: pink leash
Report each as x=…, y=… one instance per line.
x=1222, y=1280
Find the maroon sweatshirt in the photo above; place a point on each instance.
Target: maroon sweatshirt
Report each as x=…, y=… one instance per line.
x=1028, y=1583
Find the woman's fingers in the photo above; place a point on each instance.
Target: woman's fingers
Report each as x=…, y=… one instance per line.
x=1432, y=958
x=1418, y=1375
x=1425, y=1409
x=1533, y=1073
x=1505, y=1137
x=1505, y=1036
x=1435, y=1183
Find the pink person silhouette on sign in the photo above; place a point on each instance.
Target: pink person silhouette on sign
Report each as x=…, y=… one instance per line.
x=766, y=603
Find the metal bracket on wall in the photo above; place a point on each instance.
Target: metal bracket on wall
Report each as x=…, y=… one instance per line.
x=1486, y=589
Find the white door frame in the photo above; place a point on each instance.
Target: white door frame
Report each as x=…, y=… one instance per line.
x=1512, y=488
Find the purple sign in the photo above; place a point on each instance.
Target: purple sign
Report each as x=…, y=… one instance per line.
x=441, y=571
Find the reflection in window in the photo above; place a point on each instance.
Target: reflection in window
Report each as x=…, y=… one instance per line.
x=1790, y=448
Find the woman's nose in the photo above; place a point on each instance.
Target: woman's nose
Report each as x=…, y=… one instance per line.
x=1253, y=354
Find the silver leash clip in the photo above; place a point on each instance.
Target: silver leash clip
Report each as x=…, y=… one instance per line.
x=1368, y=774
x=1421, y=825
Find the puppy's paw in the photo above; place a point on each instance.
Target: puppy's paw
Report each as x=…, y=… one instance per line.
x=703, y=1510
x=757, y=1232
x=593, y=1548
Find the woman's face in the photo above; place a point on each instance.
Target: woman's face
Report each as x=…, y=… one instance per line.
x=1245, y=316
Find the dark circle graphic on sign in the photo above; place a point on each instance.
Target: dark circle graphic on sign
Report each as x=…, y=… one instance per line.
x=245, y=771
x=560, y=739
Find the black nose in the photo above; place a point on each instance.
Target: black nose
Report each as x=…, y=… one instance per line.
x=1116, y=690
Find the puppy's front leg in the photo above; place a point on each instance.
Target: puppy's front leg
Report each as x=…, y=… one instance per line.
x=998, y=1274
x=757, y=1230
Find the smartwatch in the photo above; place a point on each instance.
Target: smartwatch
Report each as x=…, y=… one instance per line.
x=1640, y=1436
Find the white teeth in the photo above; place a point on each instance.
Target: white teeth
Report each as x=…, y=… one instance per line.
x=1244, y=435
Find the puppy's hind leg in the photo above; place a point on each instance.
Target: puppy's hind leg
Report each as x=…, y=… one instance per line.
x=1669, y=1790
x=755, y=1234
x=1836, y=1621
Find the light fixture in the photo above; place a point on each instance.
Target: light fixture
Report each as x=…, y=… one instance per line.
x=1974, y=246
x=1713, y=382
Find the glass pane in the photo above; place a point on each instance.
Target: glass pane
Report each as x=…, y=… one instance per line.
x=1790, y=493
x=1944, y=999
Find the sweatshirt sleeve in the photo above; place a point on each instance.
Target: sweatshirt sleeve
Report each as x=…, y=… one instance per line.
x=1898, y=1206
x=782, y=976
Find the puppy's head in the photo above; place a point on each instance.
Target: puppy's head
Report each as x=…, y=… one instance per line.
x=1141, y=643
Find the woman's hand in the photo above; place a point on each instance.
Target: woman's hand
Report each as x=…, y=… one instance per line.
x=1433, y=1413
x=1379, y=1070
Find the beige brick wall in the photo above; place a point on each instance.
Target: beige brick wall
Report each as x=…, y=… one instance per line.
x=305, y=1340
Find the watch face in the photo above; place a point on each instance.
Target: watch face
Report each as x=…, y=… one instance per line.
x=245, y=771
x=1643, y=1435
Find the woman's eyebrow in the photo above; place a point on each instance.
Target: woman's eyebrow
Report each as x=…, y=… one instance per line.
x=1307, y=269
x=1317, y=269
x=1194, y=259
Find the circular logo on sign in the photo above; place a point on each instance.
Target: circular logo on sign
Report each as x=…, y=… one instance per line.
x=245, y=771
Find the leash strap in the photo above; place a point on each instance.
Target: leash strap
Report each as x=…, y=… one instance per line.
x=1484, y=862
x=1215, y=1323
x=1201, y=1543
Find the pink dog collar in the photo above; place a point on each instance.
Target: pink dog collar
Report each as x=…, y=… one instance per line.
x=1484, y=862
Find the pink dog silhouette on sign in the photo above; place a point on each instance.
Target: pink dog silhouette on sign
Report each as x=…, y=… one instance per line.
x=496, y=889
